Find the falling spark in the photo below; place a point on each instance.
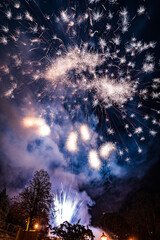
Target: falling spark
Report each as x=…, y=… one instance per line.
x=71, y=143
x=85, y=133
x=106, y=149
x=44, y=130
x=94, y=160
x=39, y=124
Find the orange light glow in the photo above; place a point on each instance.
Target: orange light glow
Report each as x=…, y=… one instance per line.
x=36, y=226
x=103, y=237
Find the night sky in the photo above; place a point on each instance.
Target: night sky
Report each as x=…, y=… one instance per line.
x=79, y=97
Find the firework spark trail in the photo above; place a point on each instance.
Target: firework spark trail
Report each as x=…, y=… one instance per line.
x=110, y=91
x=70, y=205
x=66, y=207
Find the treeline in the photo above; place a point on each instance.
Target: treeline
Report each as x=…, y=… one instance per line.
x=32, y=205
x=138, y=219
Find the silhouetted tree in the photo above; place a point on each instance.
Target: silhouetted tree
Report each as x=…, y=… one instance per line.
x=4, y=205
x=33, y=203
x=139, y=217
x=67, y=231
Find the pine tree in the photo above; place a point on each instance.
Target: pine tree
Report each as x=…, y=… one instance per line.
x=33, y=203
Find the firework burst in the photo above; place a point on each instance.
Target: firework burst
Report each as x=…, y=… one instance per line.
x=85, y=59
x=66, y=207
x=70, y=206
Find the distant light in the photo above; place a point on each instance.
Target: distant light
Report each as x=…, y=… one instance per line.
x=103, y=237
x=36, y=226
x=71, y=23
x=44, y=130
x=28, y=122
x=94, y=160
x=84, y=131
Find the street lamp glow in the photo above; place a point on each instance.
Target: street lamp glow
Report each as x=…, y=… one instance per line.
x=103, y=237
x=36, y=226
